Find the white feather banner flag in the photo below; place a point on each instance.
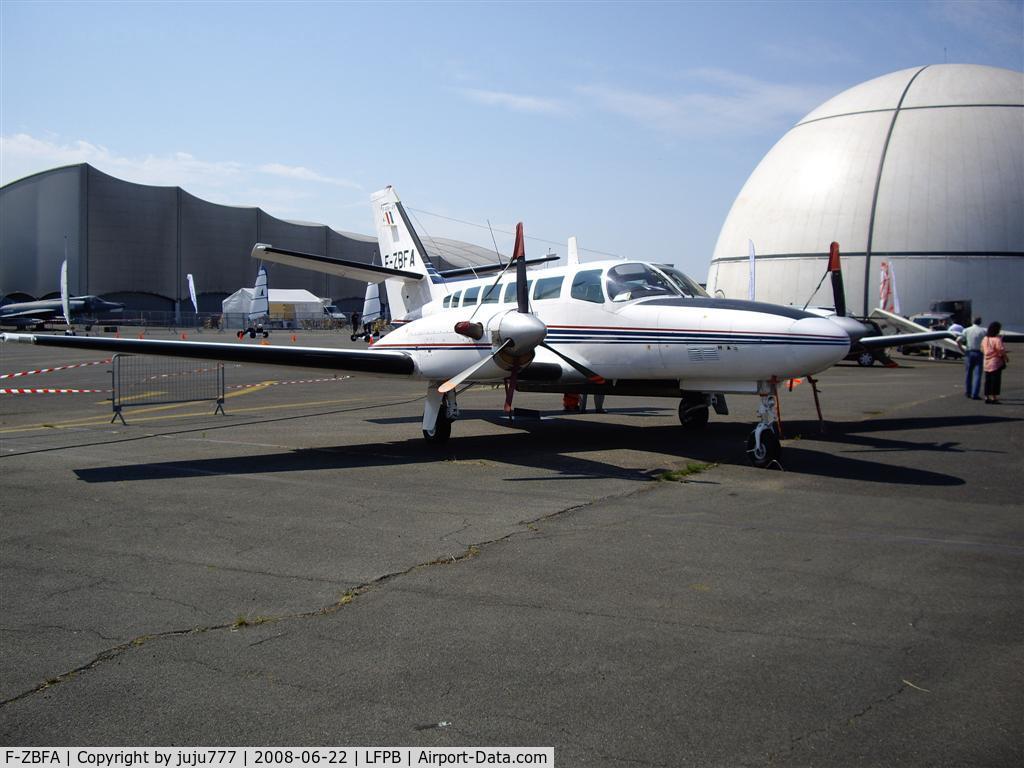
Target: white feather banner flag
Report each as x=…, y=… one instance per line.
x=192, y=292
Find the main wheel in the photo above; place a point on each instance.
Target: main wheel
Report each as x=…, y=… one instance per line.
x=767, y=452
x=442, y=428
x=693, y=414
x=866, y=359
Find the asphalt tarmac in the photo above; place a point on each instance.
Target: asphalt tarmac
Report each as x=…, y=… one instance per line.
x=305, y=570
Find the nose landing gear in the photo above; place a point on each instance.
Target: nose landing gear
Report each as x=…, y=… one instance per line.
x=763, y=446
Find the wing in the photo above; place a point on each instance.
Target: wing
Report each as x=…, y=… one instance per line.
x=899, y=339
x=915, y=334
x=40, y=314
x=355, y=270
x=354, y=360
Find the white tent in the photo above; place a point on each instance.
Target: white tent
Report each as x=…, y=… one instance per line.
x=288, y=305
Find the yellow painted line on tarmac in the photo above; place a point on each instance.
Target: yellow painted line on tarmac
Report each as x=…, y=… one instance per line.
x=154, y=393
x=92, y=421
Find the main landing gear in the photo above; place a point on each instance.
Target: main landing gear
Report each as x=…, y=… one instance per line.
x=763, y=447
x=439, y=411
x=695, y=408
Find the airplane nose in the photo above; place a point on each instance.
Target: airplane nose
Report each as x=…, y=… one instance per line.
x=818, y=344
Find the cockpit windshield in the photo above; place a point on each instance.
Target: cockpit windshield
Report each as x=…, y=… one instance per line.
x=689, y=288
x=634, y=280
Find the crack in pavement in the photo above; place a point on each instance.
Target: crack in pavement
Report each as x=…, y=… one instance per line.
x=472, y=551
x=848, y=721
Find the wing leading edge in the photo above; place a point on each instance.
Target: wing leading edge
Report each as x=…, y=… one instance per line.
x=354, y=360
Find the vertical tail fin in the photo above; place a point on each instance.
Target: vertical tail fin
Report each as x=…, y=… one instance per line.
x=572, y=256
x=260, y=306
x=401, y=248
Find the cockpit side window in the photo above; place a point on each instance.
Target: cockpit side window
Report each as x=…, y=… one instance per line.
x=686, y=284
x=634, y=281
x=586, y=286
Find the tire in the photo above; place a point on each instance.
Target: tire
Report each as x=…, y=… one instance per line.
x=693, y=416
x=865, y=359
x=442, y=429
x=770, y=449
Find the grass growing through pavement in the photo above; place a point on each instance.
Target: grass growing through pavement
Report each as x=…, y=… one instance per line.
x=680, y=475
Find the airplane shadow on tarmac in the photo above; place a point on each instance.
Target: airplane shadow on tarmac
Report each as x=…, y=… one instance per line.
x=566, y=446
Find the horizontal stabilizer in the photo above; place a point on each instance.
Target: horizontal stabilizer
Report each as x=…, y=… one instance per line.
x=353, y=360
x=490, y=269
x=355, y=270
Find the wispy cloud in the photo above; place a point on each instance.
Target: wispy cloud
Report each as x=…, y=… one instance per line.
x=292, y=192
x=301, y=173
x=23, y=154
x=514, y=101
x=711, y=101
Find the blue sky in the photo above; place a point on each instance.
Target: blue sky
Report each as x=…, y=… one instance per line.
x=630, y=125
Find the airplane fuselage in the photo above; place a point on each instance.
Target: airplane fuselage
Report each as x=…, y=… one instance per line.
x=703, y=343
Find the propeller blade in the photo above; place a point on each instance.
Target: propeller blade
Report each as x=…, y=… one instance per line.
x=594, y=378
x=838, y=294
x=458, y=378
x=519, y=257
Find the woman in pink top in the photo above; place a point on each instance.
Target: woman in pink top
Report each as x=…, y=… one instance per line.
x=994, y=350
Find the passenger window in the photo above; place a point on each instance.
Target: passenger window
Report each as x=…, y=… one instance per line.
x=492, y=294
x=586, y=286
x=510, y=291
x=456, y=298
x=471, y=296
x=447, y=301
x=549, y=288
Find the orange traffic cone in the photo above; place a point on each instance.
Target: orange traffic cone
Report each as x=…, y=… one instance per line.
x=184, y=337
x=293, y=338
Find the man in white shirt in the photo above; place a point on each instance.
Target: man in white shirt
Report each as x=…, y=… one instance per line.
x=970, y=339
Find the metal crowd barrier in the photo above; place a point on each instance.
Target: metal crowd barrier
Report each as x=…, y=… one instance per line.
x=145, y=380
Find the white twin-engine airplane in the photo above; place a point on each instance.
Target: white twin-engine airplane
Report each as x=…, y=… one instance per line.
x=611, y=327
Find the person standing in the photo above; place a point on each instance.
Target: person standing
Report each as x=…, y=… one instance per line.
x=994, y=350
x=971, y=339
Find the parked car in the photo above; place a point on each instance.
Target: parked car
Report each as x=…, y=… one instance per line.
x=867, y=357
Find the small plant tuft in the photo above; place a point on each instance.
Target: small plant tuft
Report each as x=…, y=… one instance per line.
x=680, y=475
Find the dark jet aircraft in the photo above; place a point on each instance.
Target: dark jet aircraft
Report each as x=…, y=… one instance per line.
x=31, y=314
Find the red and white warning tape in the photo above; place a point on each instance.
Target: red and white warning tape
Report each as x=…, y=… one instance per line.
x=53, y=391
x=51, y=370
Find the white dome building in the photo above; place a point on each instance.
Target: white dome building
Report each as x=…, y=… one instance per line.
x=922, y=168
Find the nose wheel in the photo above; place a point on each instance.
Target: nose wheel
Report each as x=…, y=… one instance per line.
x=763, y=446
